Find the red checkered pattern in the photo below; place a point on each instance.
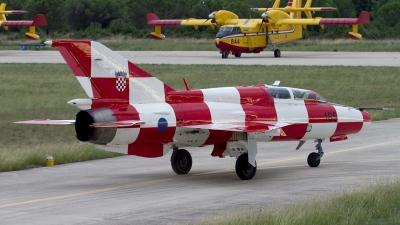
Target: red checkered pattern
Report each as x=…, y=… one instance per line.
x=120, y=83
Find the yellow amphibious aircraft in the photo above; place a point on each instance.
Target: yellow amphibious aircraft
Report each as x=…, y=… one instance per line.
x=276, y=25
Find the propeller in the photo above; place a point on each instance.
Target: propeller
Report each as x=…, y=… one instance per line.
x=211, y=15
x=264, y=15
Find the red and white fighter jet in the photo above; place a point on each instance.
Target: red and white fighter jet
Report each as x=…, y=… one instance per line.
x=131, y=112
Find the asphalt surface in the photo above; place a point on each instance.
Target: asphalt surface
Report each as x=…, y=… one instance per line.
x=213, y=57
x=133, y=190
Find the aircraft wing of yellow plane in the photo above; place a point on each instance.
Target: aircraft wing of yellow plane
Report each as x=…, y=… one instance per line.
x=39, y=20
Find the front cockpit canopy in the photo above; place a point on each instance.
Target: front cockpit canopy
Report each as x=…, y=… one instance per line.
x=294, y=94
x=228, y=30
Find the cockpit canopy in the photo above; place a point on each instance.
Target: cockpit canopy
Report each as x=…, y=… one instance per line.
x=228, y=30
x=294, y=94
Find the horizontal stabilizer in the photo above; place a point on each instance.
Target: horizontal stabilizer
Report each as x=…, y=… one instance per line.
x=125, y=123
x=48, y=122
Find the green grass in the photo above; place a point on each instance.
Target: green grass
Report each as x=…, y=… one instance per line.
x=30, y=91
x=124, y=43
x=374, y=204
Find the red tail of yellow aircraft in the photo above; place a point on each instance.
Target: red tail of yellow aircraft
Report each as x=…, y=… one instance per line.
x=276, y=26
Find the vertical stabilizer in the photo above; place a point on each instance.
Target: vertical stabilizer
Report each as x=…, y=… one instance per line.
x=105, y=74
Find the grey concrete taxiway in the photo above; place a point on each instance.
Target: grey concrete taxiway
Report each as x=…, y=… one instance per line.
x=213, y=57
x=133, y=190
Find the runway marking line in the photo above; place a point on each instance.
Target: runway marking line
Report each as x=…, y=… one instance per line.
x=182, y=177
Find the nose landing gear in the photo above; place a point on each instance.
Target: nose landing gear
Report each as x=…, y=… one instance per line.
x=314, y=159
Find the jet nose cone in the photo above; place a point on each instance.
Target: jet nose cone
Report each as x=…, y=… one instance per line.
x=366, y=120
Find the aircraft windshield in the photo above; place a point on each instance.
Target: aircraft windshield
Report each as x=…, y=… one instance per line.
x=227, y=30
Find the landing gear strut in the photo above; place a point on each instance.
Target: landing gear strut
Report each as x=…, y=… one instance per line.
x=314, y=158
x=181, y=161
x=244, y=169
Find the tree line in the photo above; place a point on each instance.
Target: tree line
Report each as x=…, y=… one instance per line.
x=101, y=18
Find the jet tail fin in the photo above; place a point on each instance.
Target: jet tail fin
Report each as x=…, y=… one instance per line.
x=104, y=74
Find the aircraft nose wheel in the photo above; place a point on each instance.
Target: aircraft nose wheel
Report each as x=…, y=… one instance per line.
x=277, y=53
x=181, y=161
x=244, y=169
x=225, y=54
x=313, y=159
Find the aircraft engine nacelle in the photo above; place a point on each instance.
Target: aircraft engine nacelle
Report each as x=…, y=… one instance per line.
x=98, y=135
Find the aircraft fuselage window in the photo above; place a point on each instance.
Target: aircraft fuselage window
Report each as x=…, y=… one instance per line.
x=278, y=92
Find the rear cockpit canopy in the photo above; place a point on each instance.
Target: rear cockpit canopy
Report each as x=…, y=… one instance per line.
x=293, y=94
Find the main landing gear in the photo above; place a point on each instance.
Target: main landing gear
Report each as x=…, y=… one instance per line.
x=225, y=54
x=314, y=159
x=181, y=161
x=277, y=53
x=244, y=169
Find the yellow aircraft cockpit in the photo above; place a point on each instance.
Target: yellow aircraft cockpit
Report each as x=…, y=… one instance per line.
x=228, y=30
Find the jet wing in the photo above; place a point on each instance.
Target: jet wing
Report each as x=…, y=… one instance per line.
x=118, y=124
x=124, y=123
x=249, y=127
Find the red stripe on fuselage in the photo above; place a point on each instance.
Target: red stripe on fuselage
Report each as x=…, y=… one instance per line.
x=257, y=104
x=148, y=150
x=348, y=128
x=320, y=112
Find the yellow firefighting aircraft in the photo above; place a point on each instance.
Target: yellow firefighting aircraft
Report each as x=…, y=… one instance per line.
x=276, y=26
x=40, y=20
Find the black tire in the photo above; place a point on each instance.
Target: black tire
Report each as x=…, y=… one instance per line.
x=312, y=159
x=181, y=161
x=244, y=169
x=237, y=55
x=225, y=54
x=277, y=53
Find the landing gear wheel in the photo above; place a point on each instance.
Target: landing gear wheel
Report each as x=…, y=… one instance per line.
x=313, y=159
x=181, y=161
x=237, y=55
x=244, y=169
x=277, y=53
x=225, y=54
